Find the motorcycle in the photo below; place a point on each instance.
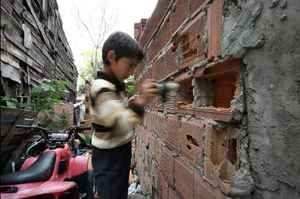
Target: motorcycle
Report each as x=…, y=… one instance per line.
x=55, y=165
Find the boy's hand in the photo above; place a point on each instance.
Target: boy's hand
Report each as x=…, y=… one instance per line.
x=147, y=91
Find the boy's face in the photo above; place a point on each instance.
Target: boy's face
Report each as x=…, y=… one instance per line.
x=123, y=67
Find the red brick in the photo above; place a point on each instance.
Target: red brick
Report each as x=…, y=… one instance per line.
x=196, y=4
x=195, y=128
x=218, y=114
x=173, y=137
x=210, y=172
x=159, y=67
x=165, y=31
x=147, y=121
x=193, y=41
x=166, y=164
x=153, y=48
x=152, y=145
x=193, y=153
x=154, y=175
x=203, y=190
x=171, y=62
x=165, y=65
x=214, y=28
x=179, y=13
x=191, y=140
x=184, y=178
x=150, y=120
x=143, y=134
x=160, y=125
x=173, y=194
x=163, y=186
x=146, y=183
x=153, y=22
x=158, y=150
x=155, y=195
x=139, y=130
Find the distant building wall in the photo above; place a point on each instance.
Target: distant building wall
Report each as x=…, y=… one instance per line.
x=232, y=129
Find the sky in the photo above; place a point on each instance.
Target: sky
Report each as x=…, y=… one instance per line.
x=119, y=15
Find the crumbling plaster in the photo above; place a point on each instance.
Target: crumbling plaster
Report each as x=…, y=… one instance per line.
x=266, y=35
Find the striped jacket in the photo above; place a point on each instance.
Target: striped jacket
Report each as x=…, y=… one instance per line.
x=111, y=117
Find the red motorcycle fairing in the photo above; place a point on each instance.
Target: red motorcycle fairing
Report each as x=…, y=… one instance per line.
x=57, y=183
x=39, y=188
x=78, y=165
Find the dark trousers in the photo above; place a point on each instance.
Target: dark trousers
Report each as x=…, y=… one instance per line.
x=111, y=170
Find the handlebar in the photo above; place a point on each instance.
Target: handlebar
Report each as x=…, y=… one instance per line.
x=68, y=130
x=67, y=135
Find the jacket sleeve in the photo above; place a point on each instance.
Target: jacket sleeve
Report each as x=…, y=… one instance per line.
x=107, y=108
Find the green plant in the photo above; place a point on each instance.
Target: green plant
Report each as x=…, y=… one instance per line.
x=58, y=122
x=48, y=94
x=44, y=97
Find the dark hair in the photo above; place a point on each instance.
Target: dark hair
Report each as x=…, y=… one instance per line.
x=123, y=45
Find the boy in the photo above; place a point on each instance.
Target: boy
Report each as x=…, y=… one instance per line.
x=112, y=118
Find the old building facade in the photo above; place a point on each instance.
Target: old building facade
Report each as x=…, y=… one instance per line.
x=33, y=47
x=232, y=129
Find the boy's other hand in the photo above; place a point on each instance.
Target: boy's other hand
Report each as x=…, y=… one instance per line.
x=147, y=91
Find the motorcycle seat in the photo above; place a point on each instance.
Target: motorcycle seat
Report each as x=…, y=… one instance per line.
x=40, y=170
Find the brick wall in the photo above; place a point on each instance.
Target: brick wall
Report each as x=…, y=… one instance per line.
x=196, y=144
x=182, y=150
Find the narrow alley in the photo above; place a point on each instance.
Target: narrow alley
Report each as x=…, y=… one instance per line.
x=231, y=130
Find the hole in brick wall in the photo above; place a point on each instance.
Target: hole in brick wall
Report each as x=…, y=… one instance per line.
x=224, y=88
x=218, y=146
x=215, y=87
x=223, y=152
x=189, y=147
x=185, y=93
x=187, y=51
x=231, y=152
x=192, y=140
x=203, y=93
x=226, y=171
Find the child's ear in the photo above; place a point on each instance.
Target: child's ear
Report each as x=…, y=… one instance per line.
x=111, y=56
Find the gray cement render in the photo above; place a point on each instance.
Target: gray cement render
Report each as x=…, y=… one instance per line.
x=266, y=35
